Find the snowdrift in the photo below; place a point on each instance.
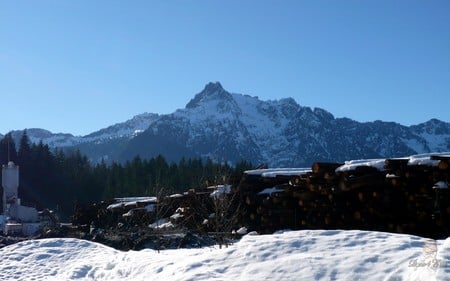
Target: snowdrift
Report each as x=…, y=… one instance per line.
x=289, y=255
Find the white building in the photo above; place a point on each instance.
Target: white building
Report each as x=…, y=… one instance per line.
x=16, y=218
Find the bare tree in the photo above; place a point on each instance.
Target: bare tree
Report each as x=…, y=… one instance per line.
x=226, y=208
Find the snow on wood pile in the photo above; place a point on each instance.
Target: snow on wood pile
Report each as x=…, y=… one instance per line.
x=405, y=195
x=132, y=202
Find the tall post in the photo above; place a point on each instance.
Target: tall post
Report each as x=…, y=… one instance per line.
x=10, y=183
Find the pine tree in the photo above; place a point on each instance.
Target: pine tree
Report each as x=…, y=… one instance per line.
x=8, y=150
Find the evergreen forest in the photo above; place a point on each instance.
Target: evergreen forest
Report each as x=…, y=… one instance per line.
x=60, y=180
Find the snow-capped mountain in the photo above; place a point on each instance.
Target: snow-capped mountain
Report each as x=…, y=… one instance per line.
x=230, y=127
x=53, y=140
x=435, y=133
x=125, y=130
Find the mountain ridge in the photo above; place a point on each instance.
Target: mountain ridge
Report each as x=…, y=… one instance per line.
x=231, y=127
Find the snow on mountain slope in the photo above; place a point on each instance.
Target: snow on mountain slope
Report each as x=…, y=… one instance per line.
x=290, y=255
x=53, y=140
x=127, y=129
x=435, y=133
x=267, y=122
x=210, y=123
x=220, y=125
x=233, y=127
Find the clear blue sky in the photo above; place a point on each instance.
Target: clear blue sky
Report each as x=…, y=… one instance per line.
x=79, y=66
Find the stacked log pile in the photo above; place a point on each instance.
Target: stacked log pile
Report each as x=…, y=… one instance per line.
x=205, y=211
x=404, y=195
x=270, y=200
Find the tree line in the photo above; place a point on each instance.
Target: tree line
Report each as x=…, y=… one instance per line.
x=60, y=179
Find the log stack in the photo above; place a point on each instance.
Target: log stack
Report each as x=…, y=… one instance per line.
x=404, y=195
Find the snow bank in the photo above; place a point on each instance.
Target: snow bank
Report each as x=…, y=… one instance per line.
x=290, y=255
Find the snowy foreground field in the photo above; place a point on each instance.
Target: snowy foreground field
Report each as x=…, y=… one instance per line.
x=290, y=255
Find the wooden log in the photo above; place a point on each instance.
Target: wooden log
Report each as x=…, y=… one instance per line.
x=394, y=180
x=396, y=164
x=264, y=211
x=377, y=195
x=277, y=200
x=330, y=177
x=440, y=157
x=267, y=202
x=365, y=170
x=296, y=181
x=301, y=203
x=265, y=220
x=322, y=168
x=370, y=179
x=443, y=164
x=302, y=194
x=327, y=220
x=361, y=197
x=357, y=215
x=249, y=200
x=343, y=185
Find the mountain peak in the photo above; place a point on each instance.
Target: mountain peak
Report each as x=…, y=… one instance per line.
x=211, y=91
x=213, y=87
x=432, y=127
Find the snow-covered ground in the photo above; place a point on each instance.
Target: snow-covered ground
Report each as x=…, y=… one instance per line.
x=290, y=255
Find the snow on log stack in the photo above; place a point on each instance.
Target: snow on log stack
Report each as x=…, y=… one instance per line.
x=405, y=195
